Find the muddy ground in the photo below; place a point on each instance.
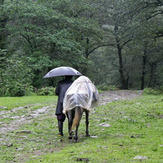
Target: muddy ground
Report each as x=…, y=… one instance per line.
x=111, y=96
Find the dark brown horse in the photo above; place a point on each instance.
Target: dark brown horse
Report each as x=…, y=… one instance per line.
x=74, y=116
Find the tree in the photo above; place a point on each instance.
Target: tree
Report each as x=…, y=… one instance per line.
x=130, y=24
x=115, y=27
x=50, y=35
x=148, y=15
x=3, y=21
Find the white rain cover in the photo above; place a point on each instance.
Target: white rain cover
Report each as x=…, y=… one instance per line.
x=81, y=93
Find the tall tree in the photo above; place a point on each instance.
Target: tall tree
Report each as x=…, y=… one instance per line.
x=128, y=25
x=49, y=34
x=116, y=22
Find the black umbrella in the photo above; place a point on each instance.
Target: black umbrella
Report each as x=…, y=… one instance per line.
x=62, y=71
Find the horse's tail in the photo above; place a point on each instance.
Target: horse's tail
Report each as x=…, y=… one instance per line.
x=77, y=117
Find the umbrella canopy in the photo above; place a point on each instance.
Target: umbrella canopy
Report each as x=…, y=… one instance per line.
x=62, y=71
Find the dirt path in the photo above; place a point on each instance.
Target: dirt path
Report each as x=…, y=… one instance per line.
x=18, y=119
x=110, y=96
x=28, y=116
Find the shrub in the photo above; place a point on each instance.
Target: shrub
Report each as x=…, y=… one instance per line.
x=153, y=91
x=105, y=87
x=30, y=91
x=16, y=76
x=46, y=91
x=18, y=89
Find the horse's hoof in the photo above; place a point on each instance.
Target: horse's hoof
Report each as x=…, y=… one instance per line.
x=70, y=137
x=75, y=139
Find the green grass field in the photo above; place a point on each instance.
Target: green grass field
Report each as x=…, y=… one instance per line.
x=12, y=102
x=121, y=131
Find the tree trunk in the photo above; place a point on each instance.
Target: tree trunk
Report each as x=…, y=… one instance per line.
x=124, y=82
x=151, y=75
x=143, y=70
x=84, y=70
x=2, y=2
x=87, y=48
x=152, y=79
x=3, y=21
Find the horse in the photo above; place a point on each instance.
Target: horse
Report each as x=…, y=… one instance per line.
x=78, y=99
x=74, y=116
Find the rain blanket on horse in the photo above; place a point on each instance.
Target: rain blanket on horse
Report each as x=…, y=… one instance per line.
x=81, y=93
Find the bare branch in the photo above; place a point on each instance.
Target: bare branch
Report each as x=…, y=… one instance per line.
x=99, y=46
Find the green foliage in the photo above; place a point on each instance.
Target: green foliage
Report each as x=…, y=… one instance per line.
x=46, y=91
x=48, y=35
x=153, y=91
x=130, y=31
x=30, y=91
x=16, y=76
x=106, y=87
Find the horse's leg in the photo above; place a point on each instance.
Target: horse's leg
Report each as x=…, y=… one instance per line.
x=78, y=115
x=70, y=116
x=87, y=122
x=76, y=133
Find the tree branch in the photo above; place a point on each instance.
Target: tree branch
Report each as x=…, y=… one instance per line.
x=99, y=46
x=126, y=43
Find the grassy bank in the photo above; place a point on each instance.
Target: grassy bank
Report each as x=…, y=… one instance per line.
x=121, y=131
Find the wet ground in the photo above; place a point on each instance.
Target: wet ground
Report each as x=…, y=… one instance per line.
x=29, y=115
x=110, y=96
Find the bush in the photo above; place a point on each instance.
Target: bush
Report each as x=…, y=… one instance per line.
x=17, y=89
x=30, y=91
x=105, y=87
x=16, y=76
x=46, y=91
x=153, y=91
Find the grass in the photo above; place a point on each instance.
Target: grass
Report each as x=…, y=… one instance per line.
x=13, y=102
x=135, y=130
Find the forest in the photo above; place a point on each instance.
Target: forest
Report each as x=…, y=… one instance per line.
x=116, y=44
